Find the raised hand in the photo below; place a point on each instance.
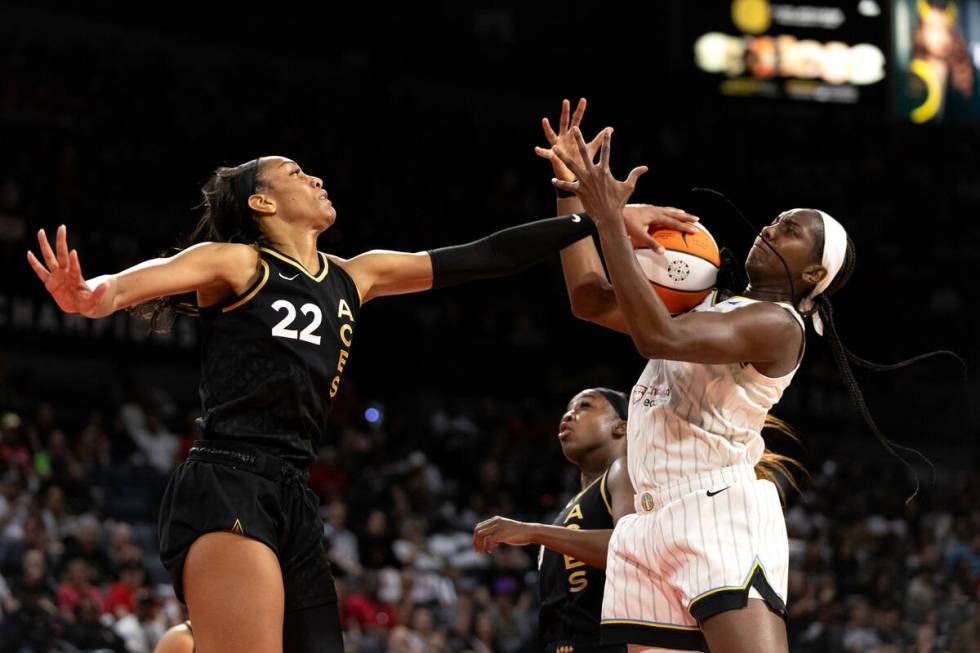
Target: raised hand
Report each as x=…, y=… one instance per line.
x=602, y=194
x=565, y=139
x=61, y=274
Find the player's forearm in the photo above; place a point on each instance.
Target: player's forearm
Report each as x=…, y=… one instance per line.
x=589, y=292
x=648, y=319
x=138, y=283
x=588, y=546
x=507, y=251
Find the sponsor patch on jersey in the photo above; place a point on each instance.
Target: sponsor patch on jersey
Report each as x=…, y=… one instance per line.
x=651, y=396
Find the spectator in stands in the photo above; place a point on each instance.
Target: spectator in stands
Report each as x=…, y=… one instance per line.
x=86, y=543
x=343, y=547
x=89, y=633
x=159, y=445
x=75, y=586
x=375, y=544
x=55, y=517
x=31, y=622
x=121, y=599
x=143, y=628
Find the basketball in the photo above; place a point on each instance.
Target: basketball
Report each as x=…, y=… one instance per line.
x=686, y=274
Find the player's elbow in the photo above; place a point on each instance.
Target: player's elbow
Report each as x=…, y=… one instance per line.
x=583, y=311
x=590, y=301
x=674, y=342
x=651, y=346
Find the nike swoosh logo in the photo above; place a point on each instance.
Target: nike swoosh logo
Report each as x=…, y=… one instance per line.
x=576, y=218
x=711, y=494
x=288, y=278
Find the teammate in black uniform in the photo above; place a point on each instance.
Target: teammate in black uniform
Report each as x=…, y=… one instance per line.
x=573, y=554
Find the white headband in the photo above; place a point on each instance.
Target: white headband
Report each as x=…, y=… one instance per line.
x=834, y=248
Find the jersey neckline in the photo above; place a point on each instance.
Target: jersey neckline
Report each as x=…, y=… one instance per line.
x=324, y=263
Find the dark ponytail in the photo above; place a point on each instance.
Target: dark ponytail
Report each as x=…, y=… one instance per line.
x=844, y=357
x=227, y=218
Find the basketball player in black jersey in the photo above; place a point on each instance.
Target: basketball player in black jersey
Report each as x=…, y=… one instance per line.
x=573, y=555
x=239, y=531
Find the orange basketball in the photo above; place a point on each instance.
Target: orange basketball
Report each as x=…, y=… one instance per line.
x=687, y=273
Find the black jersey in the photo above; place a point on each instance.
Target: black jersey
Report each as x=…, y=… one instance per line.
x=273, y=357
x=571, y=591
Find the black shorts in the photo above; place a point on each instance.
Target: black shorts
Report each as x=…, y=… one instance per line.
x=227, y=486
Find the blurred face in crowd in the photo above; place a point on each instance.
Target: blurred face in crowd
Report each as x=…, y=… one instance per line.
x=133, y=576
x=58, y=443
x=337, y=514
x=35, y=532
x=483, y=628
x=146, y=606
x=88, y=534
x=861, y=613
x=122, y=537
x=423, y=621
x=34, y=566
x=9, y=488
x=56, y=500
x=77, y=573
x=287, y=191
x=377, y=524
x=589, y=424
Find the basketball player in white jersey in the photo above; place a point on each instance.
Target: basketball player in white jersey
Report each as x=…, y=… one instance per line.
x=703, y=562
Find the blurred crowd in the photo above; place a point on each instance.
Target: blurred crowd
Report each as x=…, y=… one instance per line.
x=110, y=127
x=80, y=569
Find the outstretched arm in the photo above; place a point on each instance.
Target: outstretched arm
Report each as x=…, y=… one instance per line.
x=588, y=546
x=204, y=267
x=760, y=333
x=378, y=273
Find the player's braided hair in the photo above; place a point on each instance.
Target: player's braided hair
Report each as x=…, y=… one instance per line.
x=223, y=221
x=842, y=355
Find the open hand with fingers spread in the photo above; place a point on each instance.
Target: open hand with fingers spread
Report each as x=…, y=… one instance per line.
x=565, y=140
x=602, y=195
x=61, y=274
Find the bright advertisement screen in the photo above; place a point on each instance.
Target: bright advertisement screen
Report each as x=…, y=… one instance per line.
x=816, y=52
x=936, y=48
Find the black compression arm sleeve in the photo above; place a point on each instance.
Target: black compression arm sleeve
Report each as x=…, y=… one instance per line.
x=507, y=251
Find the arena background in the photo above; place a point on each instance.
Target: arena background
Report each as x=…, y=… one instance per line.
x=421, y=123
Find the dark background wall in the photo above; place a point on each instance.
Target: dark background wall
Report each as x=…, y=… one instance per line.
x=421, y=123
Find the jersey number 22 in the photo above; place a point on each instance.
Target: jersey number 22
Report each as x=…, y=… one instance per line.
x=281, y=330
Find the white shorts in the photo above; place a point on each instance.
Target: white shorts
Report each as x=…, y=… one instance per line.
x=694, y=549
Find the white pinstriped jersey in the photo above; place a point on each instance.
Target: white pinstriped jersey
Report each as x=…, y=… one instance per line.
x=690, y=418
